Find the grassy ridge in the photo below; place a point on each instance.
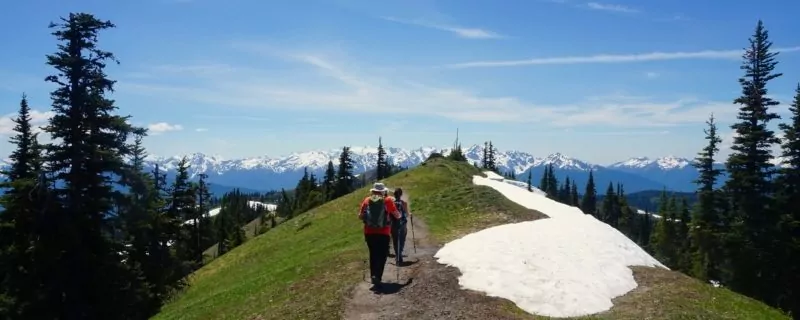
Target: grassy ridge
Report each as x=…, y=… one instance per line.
x=303, y=268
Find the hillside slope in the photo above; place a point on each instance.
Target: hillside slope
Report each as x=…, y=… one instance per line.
x=307, y=268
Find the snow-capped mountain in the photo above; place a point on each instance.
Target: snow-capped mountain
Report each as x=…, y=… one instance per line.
x=269, y=173
x=674, y=172
x=266, y=173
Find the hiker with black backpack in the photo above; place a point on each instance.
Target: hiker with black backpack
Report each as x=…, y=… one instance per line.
x=376, y=211
x=399, y=226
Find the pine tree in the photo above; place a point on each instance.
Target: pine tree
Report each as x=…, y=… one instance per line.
x=563, y=193
x=662, y=239
x=329, y=182
x=552, y=183
x=626, y=215
x=589, y=201
x=205, y=232
x=705, y=224
x=543, y=183
x=684, y=257
x=485, y=158
x=530, y=188
x=344, y=176
x=749, y=170
x=788, y=198
x=573, y=195
x=18, y=276
x=609, y=202
x=382, y=169
x=88, y=143
x=181, y=208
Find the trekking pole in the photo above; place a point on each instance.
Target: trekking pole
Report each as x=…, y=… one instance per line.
x=397, y=256
x=413, y=238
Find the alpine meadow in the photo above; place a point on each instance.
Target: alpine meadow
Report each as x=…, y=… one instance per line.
x=332, y=160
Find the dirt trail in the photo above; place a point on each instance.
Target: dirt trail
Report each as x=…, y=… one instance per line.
x=427, y=289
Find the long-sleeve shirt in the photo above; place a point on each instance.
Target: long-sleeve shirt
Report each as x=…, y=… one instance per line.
x=391, y=210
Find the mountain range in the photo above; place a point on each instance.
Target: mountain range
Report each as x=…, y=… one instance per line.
x=267, y=173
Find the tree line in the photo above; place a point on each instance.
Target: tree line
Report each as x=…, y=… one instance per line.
x=745, y=234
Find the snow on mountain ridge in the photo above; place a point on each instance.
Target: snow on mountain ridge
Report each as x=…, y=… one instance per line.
x=664, y=163
x=364, y=158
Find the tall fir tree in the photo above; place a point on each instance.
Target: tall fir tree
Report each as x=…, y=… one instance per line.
x=345, y=180
x=382, y=168
x=609, y=204
x=543, y=182
x=589, y=201
x=18, y=236
x=705, y=224
x=662, y=240
x=573, y=195
x=89, y=142
x=182, y=207
x=530, y=188
x=788, y=197
x=552, y=182
x=749, y=170
x=563, y=192
x=329, y=181
x=683, y=220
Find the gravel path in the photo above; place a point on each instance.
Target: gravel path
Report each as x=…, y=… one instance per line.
x=427, y=290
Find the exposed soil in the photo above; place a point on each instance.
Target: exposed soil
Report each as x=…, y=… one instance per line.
x=426, y=290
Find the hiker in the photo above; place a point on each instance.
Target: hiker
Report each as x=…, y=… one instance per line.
x=376, y=211
x=399, y=226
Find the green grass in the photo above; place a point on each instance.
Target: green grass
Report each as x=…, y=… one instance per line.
x=304, y=268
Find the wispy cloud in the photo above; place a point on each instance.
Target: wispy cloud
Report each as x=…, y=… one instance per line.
x=201, y=129
x=346, y=87
x=610, y=7
x=614, y=58
x=463, y=32
x=38, y=120
x=161, y=127
x=652, y=75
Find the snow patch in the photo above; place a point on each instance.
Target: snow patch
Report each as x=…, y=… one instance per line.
x=568, y=265
x=253, y=204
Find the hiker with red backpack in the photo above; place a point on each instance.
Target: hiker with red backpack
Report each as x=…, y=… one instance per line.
x=377, y=211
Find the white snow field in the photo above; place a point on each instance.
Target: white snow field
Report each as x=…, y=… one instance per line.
x=568, y=265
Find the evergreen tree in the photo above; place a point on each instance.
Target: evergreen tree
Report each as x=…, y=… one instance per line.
x=788, y=198
x=529, y=180
x=205, y=232
x=89, y=141
x=573, y=195
x=329, y=182
x=609, y=203
x=684, y=257
x=662, y=240
x=705, y=224
x=382, y=169
x=485, y=157
x=18, y=277
x=182, y=207
x=563, y=193
x=589, y=201
x=543, y=183
x=626, y=215
x=749, y=170
x=344, y=176
x=552, y=183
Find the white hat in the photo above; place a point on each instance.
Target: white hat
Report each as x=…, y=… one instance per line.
x=378, y=187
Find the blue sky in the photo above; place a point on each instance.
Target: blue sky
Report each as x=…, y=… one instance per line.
x=600, y=81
